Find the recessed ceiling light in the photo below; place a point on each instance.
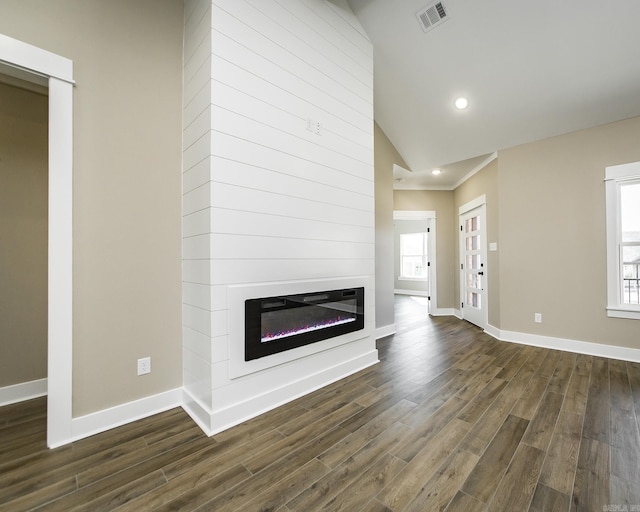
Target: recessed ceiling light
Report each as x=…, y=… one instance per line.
x=461, y=103
x=436, y=171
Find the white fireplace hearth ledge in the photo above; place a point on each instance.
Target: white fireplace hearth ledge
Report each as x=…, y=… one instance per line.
x=237, y=295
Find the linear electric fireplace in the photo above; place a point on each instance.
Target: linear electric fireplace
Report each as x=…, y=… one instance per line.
x=276, y=324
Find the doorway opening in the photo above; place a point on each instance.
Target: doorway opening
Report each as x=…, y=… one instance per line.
x=23, y=231
x=36, y=65
x=415, y=255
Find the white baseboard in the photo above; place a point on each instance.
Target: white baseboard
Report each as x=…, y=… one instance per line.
x=197, y=411
x=23, y=391
x=101, y=421
x=442, y=312
x=416, y=293
x=255, y=406
x=579, y=347
x=494, y=331
x=385, y=330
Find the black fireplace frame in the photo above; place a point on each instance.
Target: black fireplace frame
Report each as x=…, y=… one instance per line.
x=254, y=348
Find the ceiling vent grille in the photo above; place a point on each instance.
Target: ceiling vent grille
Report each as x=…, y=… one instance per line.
x=432, y=15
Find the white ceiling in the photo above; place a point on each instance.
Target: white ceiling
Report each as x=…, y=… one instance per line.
x=530, y=69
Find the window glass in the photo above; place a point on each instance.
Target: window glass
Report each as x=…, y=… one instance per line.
x=473, y=243
x=473, y=299
x=413, y=255
x=472, y=224
x=630, y=238
x=630, y=212
x=412, y=243
x=631, y=274
x=474, y=281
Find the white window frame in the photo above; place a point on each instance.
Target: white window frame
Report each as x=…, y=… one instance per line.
x=615, y=176
x=425, y=262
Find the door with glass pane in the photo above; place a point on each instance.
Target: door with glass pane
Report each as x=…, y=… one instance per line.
x=472, y=266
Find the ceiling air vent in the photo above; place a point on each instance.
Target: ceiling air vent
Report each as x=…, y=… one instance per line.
x=432, y=15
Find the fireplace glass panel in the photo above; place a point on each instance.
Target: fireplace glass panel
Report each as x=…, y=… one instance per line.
x=275, y=324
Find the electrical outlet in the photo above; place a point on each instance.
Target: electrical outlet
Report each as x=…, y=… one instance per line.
x=144, y=365
x=537, y=318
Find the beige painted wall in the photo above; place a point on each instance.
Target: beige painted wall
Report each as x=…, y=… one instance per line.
x=552, y=234
x=23, y=235
x=483, y=182
x=385, y=155
x=440, y=201
x=127, y=186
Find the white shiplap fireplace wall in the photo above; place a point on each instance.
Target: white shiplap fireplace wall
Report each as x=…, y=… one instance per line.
x=268, y=202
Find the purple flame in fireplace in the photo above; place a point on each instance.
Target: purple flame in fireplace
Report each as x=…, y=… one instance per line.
x=307, y=328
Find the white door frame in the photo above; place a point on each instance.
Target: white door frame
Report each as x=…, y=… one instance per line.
x=35, y=64
x=478, y=202
x=431, y=216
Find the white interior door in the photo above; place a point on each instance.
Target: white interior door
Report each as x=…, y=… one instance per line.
x=473, y=296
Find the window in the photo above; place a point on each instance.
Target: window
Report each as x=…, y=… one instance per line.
x=623, y=240
x=413, y=255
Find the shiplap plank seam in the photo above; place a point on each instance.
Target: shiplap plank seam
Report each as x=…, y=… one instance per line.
x=279, y=37
x=228, y=48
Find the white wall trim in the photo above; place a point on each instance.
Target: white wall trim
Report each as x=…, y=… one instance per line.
x=385, y=330
x=23, y=391
x=578, y=347
x=35, y=60
x=413, y=214
x=106, y=419
x=494, y=331
x=474, y=203
x=60, y=269
x=198, y=411
x=59, y=71
x=256, y=405
x=443, y=312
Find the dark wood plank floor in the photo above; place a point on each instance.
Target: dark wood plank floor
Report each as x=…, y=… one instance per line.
x=451, y=419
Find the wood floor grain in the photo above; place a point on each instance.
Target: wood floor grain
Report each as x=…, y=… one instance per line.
x=450, y=420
